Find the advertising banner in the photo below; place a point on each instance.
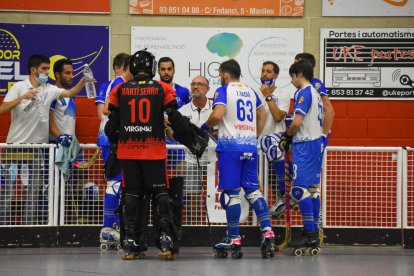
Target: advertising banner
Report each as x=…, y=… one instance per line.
x=368, y=63
x=218, y=7
x=367, y=8
x=75, y=6
x=199, y=51
x=82, y=44
x=216, y=212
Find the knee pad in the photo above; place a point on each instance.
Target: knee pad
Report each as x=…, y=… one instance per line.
x=315, y=191
x=299, y=193
x=162, y=201
x=253, y=196
x=227, y=199
x=113, y=187
x=131, y=203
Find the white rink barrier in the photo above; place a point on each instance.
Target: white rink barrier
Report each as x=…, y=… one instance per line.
x=362, y=187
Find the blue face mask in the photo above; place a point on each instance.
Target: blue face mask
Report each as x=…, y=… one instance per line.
x=268, y=82
x=42, y=79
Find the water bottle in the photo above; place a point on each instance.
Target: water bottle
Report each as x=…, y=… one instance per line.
x=28, y=104
x=38, y=103
x=89, y=82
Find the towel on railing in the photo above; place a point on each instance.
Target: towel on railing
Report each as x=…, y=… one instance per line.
x=66, y=155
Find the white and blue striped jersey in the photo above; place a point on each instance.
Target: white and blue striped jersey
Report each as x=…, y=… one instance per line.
x=308, y=103
x=237, y=130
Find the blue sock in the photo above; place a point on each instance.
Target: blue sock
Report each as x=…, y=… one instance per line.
x=260, y=208
x=316, y=201
x=306, y=208
x=233, y=216
x=111, y=203
x=279, y=169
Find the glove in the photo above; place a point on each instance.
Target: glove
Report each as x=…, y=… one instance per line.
x=268, y=140
x=285, y=141
x=65, y=140
x=274, y=153
x=325, y=139
x=205, y=127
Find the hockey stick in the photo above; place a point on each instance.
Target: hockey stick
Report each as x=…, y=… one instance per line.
x=87, y=164
x=288, y=186
x=200, y=178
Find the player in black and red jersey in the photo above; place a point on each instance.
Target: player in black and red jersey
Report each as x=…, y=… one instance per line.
x=136, y=124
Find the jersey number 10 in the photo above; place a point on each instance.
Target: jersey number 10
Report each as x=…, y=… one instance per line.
x=144, y=108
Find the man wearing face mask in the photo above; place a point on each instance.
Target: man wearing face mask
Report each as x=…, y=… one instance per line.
x=277, y=103
x=29, y=102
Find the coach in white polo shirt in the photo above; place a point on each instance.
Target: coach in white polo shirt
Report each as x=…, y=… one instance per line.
x=198, y=111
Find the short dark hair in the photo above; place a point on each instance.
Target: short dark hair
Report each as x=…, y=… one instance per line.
x=304, y=67
x=166, y=59
x=276, y=68
x=121, y=60
x=308, y=57
x=35, y=61
x=58, y=66
x=231, y=67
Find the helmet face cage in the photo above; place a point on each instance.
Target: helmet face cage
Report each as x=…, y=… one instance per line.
x=143, y=61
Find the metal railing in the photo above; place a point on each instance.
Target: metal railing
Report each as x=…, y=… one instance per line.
x=362, y=187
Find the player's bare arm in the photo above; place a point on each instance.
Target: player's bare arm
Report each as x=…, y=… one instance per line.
x=261, y=119
x=296, y=124
x=329, y=115
x=216, y=116
x=6, y=107
x=73, y=91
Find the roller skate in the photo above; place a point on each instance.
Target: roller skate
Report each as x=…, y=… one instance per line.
x=167, y=250
x=268, y=246
x=232, y=244
x=132, y=251
x=109, y=239
x=307, y=241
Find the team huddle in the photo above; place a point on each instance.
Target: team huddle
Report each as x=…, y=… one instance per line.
x=140, y=115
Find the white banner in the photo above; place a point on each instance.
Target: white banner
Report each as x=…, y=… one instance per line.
x=215, y=211
x=368, y=63
x=368, y=8
x=199, y=51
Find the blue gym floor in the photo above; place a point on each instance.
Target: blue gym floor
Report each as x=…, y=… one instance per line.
x=333, y=261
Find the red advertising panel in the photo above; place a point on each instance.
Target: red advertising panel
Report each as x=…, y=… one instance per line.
x=218, y=7
x=75, y=6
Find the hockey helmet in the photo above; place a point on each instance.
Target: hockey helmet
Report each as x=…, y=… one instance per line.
x=144, y=61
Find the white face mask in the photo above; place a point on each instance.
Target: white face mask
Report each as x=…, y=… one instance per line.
x=42, y=79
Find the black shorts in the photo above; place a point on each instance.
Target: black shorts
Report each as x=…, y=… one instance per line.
x=144, y=176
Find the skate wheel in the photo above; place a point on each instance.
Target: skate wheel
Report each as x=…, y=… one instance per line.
x=141, y=255
x=128, y=257
x=119, y=247
x=104, y=247
x=220, y=254
x=237, y=255
x=314, y=251
x=298, y=252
